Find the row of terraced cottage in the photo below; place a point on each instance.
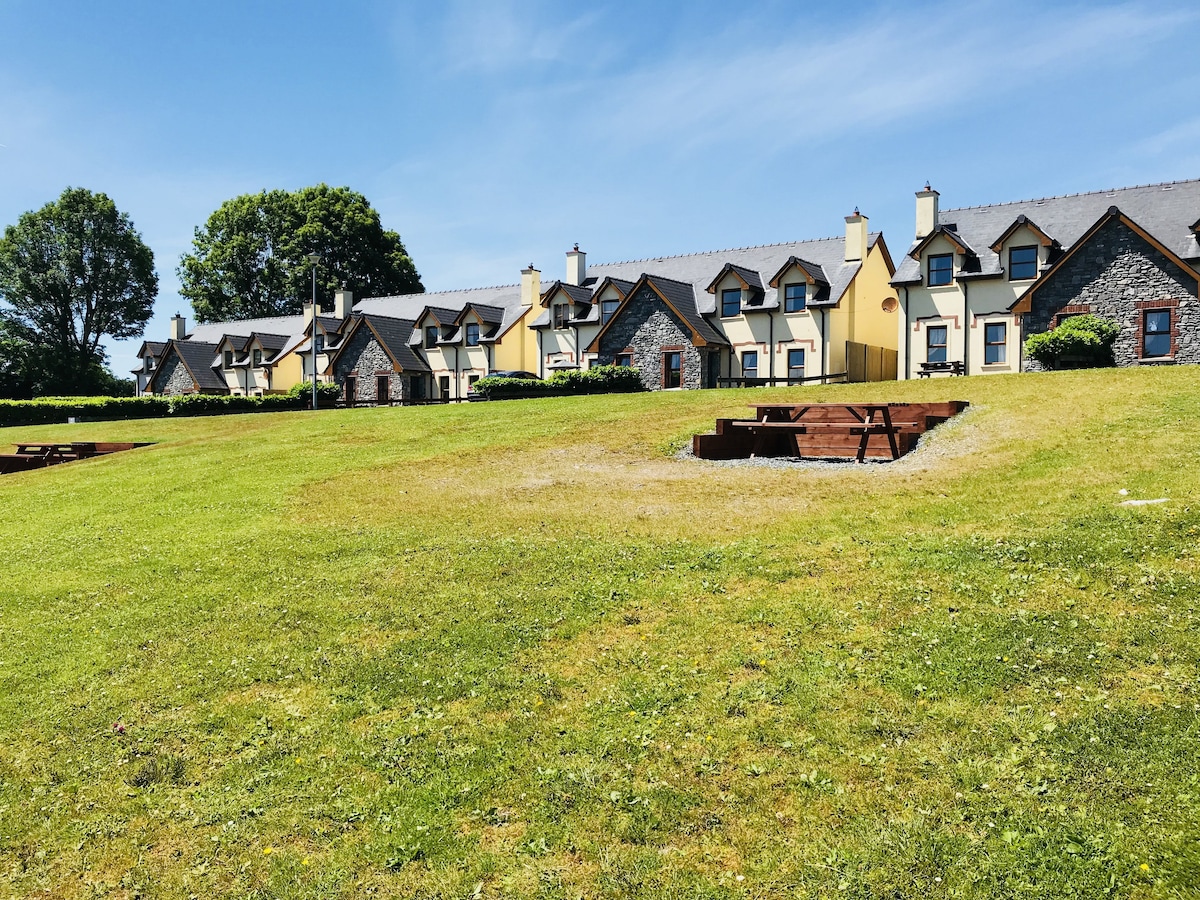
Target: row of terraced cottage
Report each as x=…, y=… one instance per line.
x=973, y=285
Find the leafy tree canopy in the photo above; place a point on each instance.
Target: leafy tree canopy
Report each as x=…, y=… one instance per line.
x=71, y=273
x=1078, y=342
x=248, y=261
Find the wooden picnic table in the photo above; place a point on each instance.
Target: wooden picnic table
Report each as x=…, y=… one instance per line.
x=865, y=419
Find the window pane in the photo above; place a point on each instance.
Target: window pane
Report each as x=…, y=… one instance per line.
x=750, y=364
x=941, y=268
x=607, y=308
x=795, y=362
x=1158, y=345
x=472, y=335
x=1158, y=321
x=731, y=302
x=995, y=350
x=794, y=297
x=936, y=344
x=1022, y=263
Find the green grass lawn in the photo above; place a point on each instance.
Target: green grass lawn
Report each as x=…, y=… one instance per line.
x=520, y=650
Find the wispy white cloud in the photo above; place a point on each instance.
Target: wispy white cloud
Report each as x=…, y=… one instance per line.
x=799, y=87
x=511, y=34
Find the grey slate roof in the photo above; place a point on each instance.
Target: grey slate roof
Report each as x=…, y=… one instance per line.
x=1165, y=210
x=577, y=292
x=212, y=332
x=699, y=269
x=154, y=348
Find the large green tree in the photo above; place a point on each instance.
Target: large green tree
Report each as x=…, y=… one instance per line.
x=71, y=273
x=248, y=260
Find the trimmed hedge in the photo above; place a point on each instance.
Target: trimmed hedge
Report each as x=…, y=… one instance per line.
x=56, y=410
x=596, y=380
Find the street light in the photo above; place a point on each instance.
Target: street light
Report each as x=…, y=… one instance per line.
x=315, y=260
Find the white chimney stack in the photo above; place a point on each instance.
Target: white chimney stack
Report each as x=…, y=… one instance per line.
x=343, y=302
x=576, y=266
x=178, y=327
x=531, y=286
x=927, y=211
x=856, y=236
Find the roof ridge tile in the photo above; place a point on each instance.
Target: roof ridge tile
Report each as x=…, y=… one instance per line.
x=1112, y=190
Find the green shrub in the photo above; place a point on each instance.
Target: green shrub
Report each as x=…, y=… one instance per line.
x=327, y=392
x=52, y=410
x=1080, y=342
x=597, y=380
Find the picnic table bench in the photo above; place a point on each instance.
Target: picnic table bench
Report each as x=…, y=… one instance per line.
x=824, y=430
x=37, y=455
x=953, y=367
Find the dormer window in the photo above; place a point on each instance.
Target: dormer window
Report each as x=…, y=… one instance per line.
x=227, y=360
x=149, y=363
x=257, y=355
x=562, y=315
x=731, y=302
x=941, y=269
x=608, y=309
x=431, y=336
x=320, y=343
x=1022, y=263
x=473, y=335
x=795, y=297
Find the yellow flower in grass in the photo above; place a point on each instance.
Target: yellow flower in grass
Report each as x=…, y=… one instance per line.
x=1145, y=867
x=267, y=851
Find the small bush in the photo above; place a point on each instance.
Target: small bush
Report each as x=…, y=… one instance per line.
x=596, y=380
x=327, y=392
x=1080, y=342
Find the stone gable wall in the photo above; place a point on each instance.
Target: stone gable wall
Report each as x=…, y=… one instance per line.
x=366, y=359
x=647, y=325
x=176, y=379
x=1118, y=275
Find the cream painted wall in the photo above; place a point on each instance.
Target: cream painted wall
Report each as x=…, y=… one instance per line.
x=753, y=331
x=965, y=308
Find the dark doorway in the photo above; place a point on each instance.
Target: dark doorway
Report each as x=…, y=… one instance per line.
x=351, y=388
x=383, y=389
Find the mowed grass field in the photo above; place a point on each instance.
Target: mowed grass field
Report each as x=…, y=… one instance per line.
x=521, y=650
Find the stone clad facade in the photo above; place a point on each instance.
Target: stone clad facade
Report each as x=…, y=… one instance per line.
x=366, y=360
x=1119, y=275
x=648, y=329
x=174, y=378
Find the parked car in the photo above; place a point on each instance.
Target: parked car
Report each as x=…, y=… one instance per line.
x=513, y=373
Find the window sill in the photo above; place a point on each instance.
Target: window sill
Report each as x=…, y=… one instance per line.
x=1156, y=361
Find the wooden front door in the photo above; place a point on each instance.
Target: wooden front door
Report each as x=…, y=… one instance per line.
x=383, y=389
x=351, y=387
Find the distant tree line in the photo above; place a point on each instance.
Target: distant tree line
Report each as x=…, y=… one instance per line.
x=77, y=271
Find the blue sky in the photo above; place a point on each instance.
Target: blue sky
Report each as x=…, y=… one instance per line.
x=495, y=134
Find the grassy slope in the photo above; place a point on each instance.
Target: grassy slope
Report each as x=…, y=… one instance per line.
x=409, y=652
